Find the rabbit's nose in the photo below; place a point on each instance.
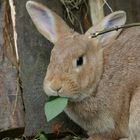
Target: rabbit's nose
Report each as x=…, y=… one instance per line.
x=49, y=91
x=56, y=84
x=55, y=87
x=53, y=84
x=52, y=87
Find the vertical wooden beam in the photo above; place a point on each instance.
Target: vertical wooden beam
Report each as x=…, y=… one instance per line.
x=96, y=10
x=11, y=105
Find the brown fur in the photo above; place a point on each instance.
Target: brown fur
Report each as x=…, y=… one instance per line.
x=104, y=93
x=108, y=112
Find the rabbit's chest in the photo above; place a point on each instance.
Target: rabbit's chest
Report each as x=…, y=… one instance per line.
x=92, y=122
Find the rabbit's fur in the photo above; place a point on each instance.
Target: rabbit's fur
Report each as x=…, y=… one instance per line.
x=100, y=76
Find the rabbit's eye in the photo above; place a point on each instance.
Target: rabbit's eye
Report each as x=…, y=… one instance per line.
x=79, y=61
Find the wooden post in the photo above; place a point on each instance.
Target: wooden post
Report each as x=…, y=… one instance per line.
x=96, y=10
x=11, y=105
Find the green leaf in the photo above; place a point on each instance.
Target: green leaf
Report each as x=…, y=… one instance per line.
x=42, y=137
x=55, y=107
x=50, y=98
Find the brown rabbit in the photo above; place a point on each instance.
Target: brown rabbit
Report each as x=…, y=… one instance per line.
x=100, y=76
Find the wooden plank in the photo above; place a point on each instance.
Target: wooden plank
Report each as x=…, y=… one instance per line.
x=96, y=10
x=11, y=106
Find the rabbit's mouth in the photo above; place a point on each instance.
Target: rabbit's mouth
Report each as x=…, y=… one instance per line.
x=49, y=91
x=72, y=96
x=70, y=90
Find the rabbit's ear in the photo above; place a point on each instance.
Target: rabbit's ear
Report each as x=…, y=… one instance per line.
x=115, y=19
x=47, y=22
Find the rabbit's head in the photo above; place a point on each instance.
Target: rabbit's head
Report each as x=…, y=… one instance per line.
x=76, y=62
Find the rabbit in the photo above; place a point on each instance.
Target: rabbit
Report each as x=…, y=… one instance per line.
x=99, y=76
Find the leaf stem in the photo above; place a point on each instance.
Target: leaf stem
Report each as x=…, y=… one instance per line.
x=93, y=35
